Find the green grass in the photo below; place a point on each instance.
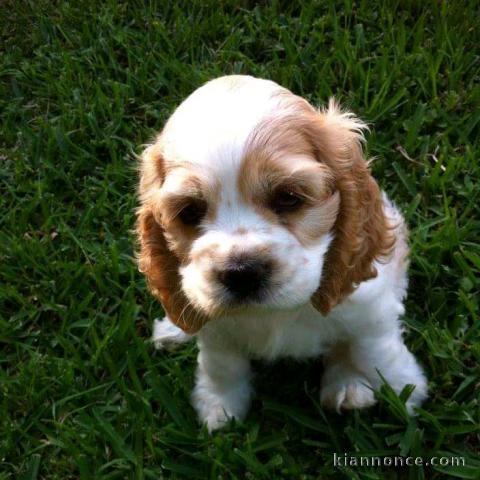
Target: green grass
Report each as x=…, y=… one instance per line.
x=83, y=85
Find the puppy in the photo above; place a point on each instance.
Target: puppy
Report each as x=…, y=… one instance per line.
x=264, y=235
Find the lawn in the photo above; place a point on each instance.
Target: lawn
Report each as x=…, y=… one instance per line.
x=83, y=85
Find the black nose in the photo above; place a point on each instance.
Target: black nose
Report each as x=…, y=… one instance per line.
x=244, y=278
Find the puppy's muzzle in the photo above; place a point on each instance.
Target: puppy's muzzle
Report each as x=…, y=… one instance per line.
x=245, y=278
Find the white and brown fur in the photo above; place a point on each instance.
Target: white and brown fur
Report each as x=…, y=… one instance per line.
x=338, y=262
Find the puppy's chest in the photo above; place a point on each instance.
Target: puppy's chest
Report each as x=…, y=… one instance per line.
x=298, y=335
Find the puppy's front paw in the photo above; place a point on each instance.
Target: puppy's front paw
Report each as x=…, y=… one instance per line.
x=217, y=417
x=419, y=394
x=346, y=393
x=167, y=335
x=215, y=409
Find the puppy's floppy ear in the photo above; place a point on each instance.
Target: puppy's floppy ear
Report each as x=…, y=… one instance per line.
x=156, y=261
x=361, y=231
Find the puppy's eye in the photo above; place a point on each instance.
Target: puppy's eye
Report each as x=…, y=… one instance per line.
x=193, y=213
x=285, y=201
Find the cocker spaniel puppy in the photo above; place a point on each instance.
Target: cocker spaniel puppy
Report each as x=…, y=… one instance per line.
x=264, y=235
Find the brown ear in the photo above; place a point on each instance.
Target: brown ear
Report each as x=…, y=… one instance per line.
x=156, y=261
x=361, y=231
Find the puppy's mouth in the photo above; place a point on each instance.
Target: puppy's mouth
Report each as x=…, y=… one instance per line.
x=257, y=302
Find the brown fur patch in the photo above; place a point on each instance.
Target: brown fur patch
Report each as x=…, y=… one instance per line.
x=190, y=186
x=156, y=260
x=361, y=232
x=279, y=155
x=209, y=252
x=354, y=213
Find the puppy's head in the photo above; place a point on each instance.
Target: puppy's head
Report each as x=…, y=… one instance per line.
x=252, y=199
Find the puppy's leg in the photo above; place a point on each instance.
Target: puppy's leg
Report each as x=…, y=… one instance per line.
x=222, y=388
x=343, y=385
x=167, y=335
x=388, y=355
x=352, y=371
